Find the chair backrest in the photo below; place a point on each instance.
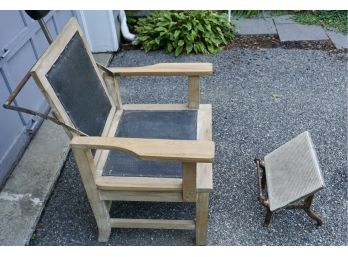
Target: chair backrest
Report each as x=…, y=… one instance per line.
x=69, y=78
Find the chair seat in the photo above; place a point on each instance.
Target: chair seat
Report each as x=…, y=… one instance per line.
x=180, y=125
x=292, y=172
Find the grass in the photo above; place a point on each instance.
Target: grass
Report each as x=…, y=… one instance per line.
x=337, y=20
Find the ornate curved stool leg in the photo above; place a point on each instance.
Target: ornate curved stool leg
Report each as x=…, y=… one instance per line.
x=307, y=208
x=268, y=219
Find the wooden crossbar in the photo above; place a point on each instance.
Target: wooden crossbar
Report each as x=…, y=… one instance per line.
x=152, y=223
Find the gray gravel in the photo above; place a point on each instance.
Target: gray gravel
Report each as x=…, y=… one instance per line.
x=261, y=99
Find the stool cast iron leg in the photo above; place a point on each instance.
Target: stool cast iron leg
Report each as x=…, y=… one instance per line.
x=263, y=181
x=306, y=206
x=268, y=219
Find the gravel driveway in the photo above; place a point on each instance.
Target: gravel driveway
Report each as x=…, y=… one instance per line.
x=261, y=99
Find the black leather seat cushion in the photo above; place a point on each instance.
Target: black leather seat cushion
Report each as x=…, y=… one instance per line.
x=151, y=124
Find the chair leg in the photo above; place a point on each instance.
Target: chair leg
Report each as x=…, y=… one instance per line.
x=85, y=163
x=202, y=209
x=104, y=234
x=103, y=221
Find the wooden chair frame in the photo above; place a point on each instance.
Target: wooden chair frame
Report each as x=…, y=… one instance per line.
x=196, y=155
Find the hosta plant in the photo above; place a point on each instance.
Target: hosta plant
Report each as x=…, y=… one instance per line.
x=180, y=32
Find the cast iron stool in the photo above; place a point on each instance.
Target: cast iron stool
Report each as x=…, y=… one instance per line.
x=290, y=173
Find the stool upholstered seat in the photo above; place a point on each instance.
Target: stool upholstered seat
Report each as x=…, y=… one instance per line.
x=293, y=172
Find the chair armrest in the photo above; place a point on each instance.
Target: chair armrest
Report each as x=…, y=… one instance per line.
x=152, y=149
x=192, y=70
x=165, y=69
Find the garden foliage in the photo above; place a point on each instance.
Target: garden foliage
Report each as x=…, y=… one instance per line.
x=180, y=32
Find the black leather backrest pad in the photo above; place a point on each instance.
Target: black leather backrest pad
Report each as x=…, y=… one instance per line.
x=79, y=89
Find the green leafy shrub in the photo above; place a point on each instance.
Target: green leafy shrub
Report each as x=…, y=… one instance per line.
x=184, y=32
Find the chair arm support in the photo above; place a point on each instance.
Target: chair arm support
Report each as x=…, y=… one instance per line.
x=165, y=69
x=152, y=149
x=192, y=70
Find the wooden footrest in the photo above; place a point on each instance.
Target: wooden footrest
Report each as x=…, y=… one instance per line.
x=290, y=173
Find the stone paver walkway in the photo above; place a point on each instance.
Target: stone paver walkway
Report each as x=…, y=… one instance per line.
x=338, y=39
x=256, y=26
x=289, y=30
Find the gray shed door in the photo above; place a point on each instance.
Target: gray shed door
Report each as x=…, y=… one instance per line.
x=21, y=44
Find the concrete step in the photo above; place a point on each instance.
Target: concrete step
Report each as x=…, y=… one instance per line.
x=29, y=186
x=103, y=58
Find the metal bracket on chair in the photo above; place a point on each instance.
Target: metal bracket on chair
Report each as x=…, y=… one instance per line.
x=13, y=95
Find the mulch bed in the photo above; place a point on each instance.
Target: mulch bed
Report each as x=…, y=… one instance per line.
x=272, y=41
x=128, y=46
x=267, y=41
x=324, y=45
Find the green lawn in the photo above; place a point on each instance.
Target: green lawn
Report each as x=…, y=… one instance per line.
x=337, y=20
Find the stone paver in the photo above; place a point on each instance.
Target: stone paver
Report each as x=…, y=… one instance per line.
x=284, y=19
x=255, y=26
x=299, y=32
x=338, y=39
x=289, y=30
